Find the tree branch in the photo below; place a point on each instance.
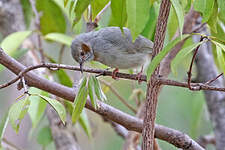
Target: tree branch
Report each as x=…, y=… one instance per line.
x=172, y=136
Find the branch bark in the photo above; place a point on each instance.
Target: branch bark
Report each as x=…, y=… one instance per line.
x=172, y=136
x=153, y=85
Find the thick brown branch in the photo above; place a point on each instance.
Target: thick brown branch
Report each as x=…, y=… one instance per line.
x=172, y=136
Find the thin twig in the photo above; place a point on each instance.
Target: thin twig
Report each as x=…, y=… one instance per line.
x=114, y=91
x=192, y=62
x=24, y=85
x=210, y=81
x=198, y=28
x=97, y=18
x=206, y=140
x=38, y=26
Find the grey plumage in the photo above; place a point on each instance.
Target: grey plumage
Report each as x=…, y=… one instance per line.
x=113, y=48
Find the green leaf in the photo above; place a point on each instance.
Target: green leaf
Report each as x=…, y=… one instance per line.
x=27, y=11
x=80, y=7
x=83, y=121
x=221, y=6
x=183, y=53
x=52, y=18
x=199, y=5
x=60, y=38
x=138, y=14
x=119, y=13
x=37, y=106
x=79, y=103
x=220, y=57
x=150, y=26
x=91, y=92
x=12, y=42
x=44, y=136
x=98, y=90
x=172, y=24
x=209, y=4
x=64, y=78
x=157, y=59
x=59, y=108
x=3, y=124
x=97, y=6
x=17, y=112
x=219, y=45
x=179, y=12
x=213, y=18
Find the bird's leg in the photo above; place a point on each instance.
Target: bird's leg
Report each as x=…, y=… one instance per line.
x=115, y=71
x=139, y=74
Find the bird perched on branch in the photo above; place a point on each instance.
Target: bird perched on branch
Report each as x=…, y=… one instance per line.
x=111, y=47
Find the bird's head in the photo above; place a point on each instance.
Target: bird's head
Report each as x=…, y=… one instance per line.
x=81, y=52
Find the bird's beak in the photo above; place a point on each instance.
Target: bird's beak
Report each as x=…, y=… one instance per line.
x=81, y=67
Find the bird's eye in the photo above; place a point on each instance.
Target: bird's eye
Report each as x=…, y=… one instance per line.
x=82, y=53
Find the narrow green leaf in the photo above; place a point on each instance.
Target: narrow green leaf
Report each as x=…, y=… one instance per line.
x=98, y=90
x=183, y=53
x=79, y=103
x=179, y=12
x=157, y=59
x=138, y=14
x=12, y=42
x=219, y=45
x=220, y=57
x=37, y=106
x=209, y=4
x=59, y=108
x=27, y=11
x=69, y=106
x=149, y=29
x=80, y=7
x=91, y=92
x=84, y=123
x=83, y=82
x=221, y=6
x=199, y=5
x=172, y=24
x=213, y=18
x=60, y=38
x=52, y=18
x=64, y=78
x=17, y=112
x=72, y=6
x=119, y=13
x=3, y=124
x=97, y=6
x=44, y=136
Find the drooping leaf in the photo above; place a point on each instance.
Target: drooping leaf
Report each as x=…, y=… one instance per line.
x=17, y=112
x=80, y=7
x=183, y=53
x=219, y=45
x=59, y=108
x=3, y=124
x=59, y=37
x=172, y=24
x=97, y=6
x=37, y=106
x=84, y=123
x=44, y=136
x=157, y=59
x=138, y=14
x=52, y=18
x=209, y=4
x=65, y=2
x=220, y=57
x=149, y=29
x=79, y=103
x=119, y=13
x=27, y=11
x=91, y=91
x=13, y=41
x=98, y=90
x=180, y=14
x=213, y=18
x=64, y=78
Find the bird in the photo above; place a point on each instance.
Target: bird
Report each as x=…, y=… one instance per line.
x=112, y=47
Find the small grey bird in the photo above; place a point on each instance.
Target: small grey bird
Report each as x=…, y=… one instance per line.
x=111, y=47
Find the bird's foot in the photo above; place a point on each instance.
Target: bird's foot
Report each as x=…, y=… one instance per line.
x=139, y=75
x=115, y=71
